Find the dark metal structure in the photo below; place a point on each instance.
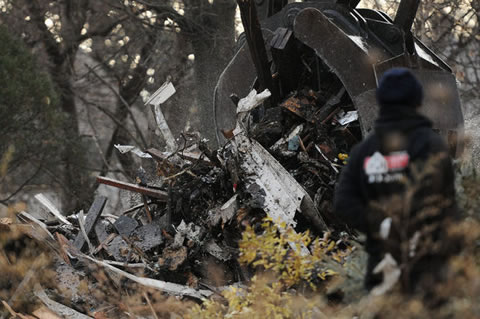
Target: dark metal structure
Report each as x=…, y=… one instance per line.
x=331, y=42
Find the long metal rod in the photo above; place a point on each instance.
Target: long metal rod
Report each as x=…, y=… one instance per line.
x=407, y=9
x=256, y=45
x=161, y=195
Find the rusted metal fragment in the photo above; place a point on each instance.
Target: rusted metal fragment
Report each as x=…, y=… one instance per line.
x=92, y=216
x=302, y=107
x=161, y=195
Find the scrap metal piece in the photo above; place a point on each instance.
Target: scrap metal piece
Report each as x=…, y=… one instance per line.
x=147, y=236
x=92, y=216
x=130, y=148
x=347, y=117
x=118, y=248
x=125, y=225
x=159, y=97
x=216, y=251
x=283, y=194
x=165, y=129
x=162, y=94
x=160, y=195
x=143, y=238
x=224, y=213
x=407, y=9
x=81, y=223
x=101, y=232
x=188, y=155
x=168, y=287
x=36, y=221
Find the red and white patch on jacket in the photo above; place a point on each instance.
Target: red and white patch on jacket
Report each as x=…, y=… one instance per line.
x=380, y=168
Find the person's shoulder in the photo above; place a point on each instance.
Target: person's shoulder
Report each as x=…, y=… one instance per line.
x=428, y=136
x=437, y=142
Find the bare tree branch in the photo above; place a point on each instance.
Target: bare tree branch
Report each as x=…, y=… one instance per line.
x=127, y=106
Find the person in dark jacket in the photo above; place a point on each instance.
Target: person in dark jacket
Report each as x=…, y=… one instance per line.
x=398, y=184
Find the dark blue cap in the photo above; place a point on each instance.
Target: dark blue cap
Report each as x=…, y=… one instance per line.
x=398, y=86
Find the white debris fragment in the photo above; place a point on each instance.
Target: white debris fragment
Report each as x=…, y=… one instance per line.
x=168, y=287
x=348, y=117
x=252, y=100
x=36, y=221
x=228, y=210
x=159, y=97
x=283, y=194
x=130, y=148
x=162, y=94
x=191, y=231
x=413, y=244
x=278, y=144
x=385, y=227
x=163, y=127
x=391, y=273
x=216, y=251
x=51, y=207
x=248, y=103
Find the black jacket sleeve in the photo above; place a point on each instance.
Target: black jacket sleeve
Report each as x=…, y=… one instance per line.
x=349, y=201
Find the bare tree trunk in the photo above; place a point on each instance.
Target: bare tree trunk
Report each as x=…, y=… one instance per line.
x=213, y=47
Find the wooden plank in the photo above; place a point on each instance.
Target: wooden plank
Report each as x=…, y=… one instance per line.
x=161, y=195
x=92, y=217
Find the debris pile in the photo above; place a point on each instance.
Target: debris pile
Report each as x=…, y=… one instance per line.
x=283, y=166
x=279, y=161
